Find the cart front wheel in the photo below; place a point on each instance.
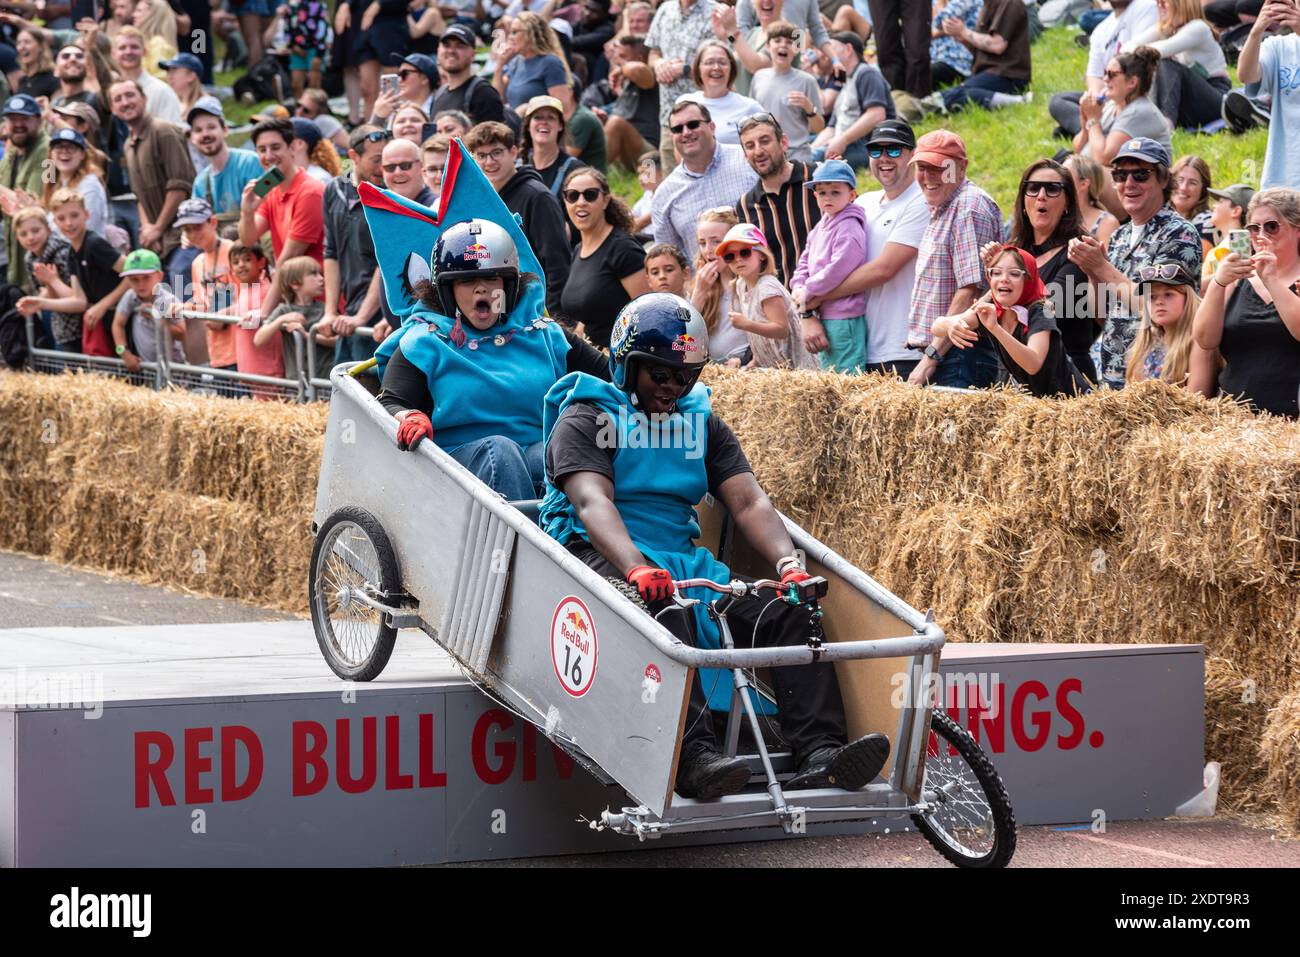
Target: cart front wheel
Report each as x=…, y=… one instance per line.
x=352, y=558
x=971, y=822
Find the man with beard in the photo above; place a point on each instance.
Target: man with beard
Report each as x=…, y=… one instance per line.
x=22, y=167
x=461, y=89
x=778, y=205
x=228, y=172
x=70, y=69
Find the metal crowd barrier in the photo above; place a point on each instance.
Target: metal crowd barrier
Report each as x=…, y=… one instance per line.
x=165, y=372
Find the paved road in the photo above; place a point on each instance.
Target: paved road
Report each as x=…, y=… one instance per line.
x=37, y=593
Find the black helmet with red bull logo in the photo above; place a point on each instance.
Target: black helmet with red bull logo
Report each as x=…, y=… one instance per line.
x=472, y=249
x=661, y=328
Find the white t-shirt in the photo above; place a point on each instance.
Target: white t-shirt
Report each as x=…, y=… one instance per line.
x=1115, y=34
x=160, y=99
x=726, y=111
x=900, y=220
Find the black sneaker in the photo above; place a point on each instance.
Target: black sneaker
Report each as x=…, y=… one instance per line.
x=707, y=774
x=1241, y=113
x=850, y=767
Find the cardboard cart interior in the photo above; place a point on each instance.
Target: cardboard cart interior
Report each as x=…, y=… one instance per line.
x=210, y=745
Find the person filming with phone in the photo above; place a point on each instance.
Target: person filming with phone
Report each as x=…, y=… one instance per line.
x=286, y=200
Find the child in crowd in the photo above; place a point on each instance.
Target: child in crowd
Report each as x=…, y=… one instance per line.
x=788, y=93
x=302, y=286
x=767, y=313
x=836, y=246
x=1026, y=337
x=95, y=266
x=713, y=289
x=212, y=282
x=649, y=174
x=248, y=266
x=135, y=322
x=666, y=269
x=1227, y=213
x=1163, y=348
x=49, y=258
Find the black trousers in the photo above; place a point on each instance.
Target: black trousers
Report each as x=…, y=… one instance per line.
x=902, y=30
x=1187, y=98
x=811, y=712
x=1225, y=14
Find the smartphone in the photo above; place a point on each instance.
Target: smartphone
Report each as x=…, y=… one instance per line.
x=1239, y=242
x=268, y=181
x=388, y=83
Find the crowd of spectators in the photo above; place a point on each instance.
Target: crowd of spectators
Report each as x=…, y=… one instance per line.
x=748, y=128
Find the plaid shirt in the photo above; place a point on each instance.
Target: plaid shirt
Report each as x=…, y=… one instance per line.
x=949, y=257
x=681, y=197
x=677, y=35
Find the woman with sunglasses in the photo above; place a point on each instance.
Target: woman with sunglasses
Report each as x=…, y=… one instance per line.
x=1046, y=218
x=1127, y=111
x=1251, y=310
x=714, y=71
x=608, y=269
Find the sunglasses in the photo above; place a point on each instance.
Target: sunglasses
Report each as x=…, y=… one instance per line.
x=1163, y=272
x=590, y=195
x=1270, y=228
x=688, y=125
x=893, y=152
x=660, y=375
x=394, y=167
x=1139, y=175
x=403, y=74
x=1035, y=186
x=744, y=252
x=375, y=136
x=754, y=119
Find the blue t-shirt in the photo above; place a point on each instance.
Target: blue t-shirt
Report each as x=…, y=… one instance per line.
x=532, y=76
x=1279, y=63
x=224, y=190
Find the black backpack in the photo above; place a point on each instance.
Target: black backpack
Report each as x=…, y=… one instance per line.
x=509, y=116
x=13, y=328
x=267, y=80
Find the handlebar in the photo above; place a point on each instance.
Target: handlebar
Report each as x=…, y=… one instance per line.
x=796, y=593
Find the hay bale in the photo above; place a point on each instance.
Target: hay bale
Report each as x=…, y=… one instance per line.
x=1280, y=749
x=1218, y=501
x=1237, y=708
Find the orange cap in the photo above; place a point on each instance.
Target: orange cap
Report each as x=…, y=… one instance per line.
x=939, y=147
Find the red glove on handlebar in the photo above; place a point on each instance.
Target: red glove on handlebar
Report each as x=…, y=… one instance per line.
x=794, y=576
x=653, y=584
x=413, y=427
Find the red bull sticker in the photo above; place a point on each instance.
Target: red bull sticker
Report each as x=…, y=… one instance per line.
x=685, y=343
x=575, y=649
x=477, y=251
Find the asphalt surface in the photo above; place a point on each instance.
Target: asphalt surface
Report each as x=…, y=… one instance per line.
x=38, y=593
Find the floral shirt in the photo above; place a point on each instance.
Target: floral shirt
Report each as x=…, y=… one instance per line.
x=1166, y=237
x=950, y=50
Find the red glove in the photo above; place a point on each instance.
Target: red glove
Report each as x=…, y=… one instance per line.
x=653, y=584
x=413, y=427
x=794, y=575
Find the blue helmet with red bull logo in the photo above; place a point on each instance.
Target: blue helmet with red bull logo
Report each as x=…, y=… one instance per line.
x=472, y=249
x=661, y=328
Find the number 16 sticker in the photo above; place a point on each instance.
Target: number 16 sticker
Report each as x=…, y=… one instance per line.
x=574, y=647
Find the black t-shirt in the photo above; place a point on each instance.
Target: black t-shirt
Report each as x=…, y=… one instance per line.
x=594, y=293
x=1263, y=356
x=484, y=101
x=559, y=170
x=42, y=84
x=1055, y=376
x=93, y=266
x=575, y=445
x=1067, y=288
x=406, y=385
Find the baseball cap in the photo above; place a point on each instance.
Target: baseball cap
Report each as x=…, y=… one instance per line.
x=540, y=102
x=22, y=105
x=425, y=64
x=187, y=60
x=562, y=26
x=276, y=111
x=1167, y=273
x=892, y=133
x=67, y=136
x=742, y=234
x=460, y=32
x=1145, y=149
x=850, y=38
x=307, y=131
x=192, y=212
x=938, y=147
x=80, y=111
x=833, y=171
x=1238, y=194
x=206, y=104
x=141, y=262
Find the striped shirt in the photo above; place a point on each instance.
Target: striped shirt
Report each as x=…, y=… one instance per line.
x=949, y=257
x=785, y=217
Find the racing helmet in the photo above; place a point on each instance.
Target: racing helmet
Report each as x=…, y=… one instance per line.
x=658, y=327
x=471, y=249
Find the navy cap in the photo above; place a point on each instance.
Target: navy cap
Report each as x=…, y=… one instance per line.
x=892, y=133
x=187, y=60
x=425, y=64
x=458, y=31
x=22, y=105
x=1145, y=149
x=307, y=131
x=66, y=135
x=192, y=212
x=206, y=104
x=833, y=171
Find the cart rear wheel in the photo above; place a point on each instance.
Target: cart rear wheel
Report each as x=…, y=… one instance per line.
x=352, y=556
x=971, y=823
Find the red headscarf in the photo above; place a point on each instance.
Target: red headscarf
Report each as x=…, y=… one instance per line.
x=1034, y=290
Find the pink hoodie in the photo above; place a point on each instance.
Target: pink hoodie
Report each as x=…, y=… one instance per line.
x=836, y=246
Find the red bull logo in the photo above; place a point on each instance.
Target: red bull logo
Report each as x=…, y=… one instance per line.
x=477, y=251
x=685, y=343
x=578, y=622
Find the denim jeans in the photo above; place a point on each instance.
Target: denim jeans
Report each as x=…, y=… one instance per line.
x=515, y=471
x=126, y=213
x=356, y=348
x=972, y=368
x=980, y=89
